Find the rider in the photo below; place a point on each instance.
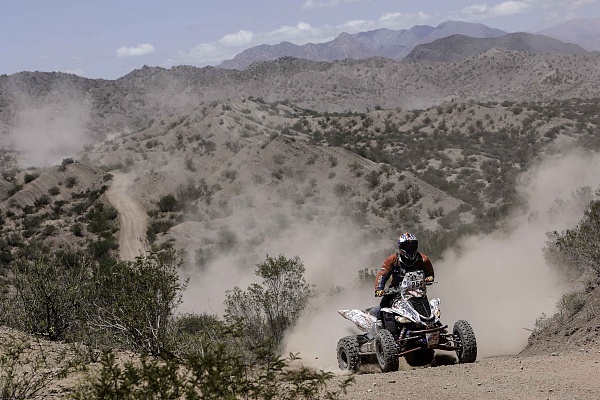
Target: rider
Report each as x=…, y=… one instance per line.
x=406, y=259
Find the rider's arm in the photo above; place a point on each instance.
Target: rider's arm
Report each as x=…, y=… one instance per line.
x=427, y=266
x=385, y=272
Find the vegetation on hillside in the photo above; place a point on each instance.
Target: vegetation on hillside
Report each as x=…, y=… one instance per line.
x=111, y=306
x=576, y=253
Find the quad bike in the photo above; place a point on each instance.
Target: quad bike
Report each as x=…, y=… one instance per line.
x=410, y=328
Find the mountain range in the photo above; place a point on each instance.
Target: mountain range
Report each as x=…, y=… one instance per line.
x=398, y=44
x=394, y=44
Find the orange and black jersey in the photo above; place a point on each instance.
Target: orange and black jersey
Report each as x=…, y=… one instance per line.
x=392, y=267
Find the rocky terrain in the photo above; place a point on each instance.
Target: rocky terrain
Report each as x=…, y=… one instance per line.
x=327, y=160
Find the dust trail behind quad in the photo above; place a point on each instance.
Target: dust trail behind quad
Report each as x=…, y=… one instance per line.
x=132, y=217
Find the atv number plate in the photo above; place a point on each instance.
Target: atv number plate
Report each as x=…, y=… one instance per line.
x=433, y=339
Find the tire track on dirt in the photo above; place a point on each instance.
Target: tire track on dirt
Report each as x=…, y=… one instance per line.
x=132, y=217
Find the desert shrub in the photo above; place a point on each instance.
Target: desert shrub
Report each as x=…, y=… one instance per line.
x=70, y=182
x=189, y=164
x=230, y=174
x=312, y=159
x=102, y=248
x=42, y=200
x=168, y=203
x=100, y=218
x=77, y=230
x=268, y=309
x=53, y=191
x=577, y=248
x=372, y=179
x=133, y=302
x=47, y=296
x=30, y=177
x=24, y=371
x=341, y=190
x=216, y=374
x=333, y=161
x=156, y=227
x=571, y=303
x=387, y=202
x=356, y=168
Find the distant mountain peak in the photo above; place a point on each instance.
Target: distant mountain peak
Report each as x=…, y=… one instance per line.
x=459, y=47
x=394, y=44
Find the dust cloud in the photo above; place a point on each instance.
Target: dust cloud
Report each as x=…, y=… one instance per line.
x=49, y=129
x=500, y=283
x=332, y=257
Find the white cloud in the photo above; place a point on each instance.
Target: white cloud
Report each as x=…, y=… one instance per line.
x=400, y=20
x=139, y=50
x=503, y=9
x=241, y=38
x=231, y=44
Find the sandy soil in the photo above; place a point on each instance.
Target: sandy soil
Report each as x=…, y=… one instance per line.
x=569, y=375
x=132, y=217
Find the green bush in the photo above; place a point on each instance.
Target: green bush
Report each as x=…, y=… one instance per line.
x=168, y=203
x=267, y=310
x=216, y=374
x=47, y=296
x=578, y=247
x=133, y=302
x=30, y=177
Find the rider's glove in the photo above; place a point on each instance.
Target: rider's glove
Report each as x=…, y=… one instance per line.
x=379, y=293
x=429, y=279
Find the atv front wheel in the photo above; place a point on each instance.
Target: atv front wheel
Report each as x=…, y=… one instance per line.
x=347, y=353
x=387, y=351
x=465, y=339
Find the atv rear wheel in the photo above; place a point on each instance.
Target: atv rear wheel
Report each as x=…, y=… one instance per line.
x=465, y=339
x=387, y=351
x=420, y=357
x=347, y=353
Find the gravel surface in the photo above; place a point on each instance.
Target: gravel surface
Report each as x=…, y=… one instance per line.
x=569, y=375
x=132, y=217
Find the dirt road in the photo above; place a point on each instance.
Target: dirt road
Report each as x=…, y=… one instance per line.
x=569, y=375
x=132, y=217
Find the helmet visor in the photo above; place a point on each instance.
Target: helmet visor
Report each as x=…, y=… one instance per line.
x=410, y=248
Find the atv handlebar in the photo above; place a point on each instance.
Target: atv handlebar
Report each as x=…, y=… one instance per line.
x=395, y=290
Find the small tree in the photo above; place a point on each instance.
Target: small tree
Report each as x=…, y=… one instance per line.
x=48, y=294
x=134, y=301
x=269, y=309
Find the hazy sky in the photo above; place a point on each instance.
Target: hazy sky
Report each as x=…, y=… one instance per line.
x=109, y=38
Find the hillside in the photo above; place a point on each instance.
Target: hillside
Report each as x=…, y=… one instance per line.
x=459, y=47
x=128, y=103
x=481, y=158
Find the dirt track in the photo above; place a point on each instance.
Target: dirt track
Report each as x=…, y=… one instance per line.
x=569, y=375
x=132, y=217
